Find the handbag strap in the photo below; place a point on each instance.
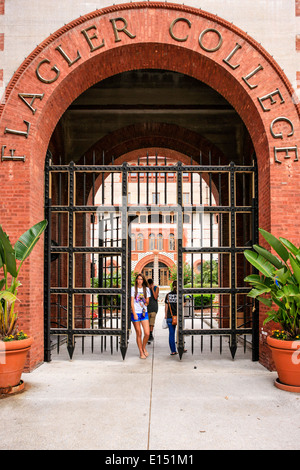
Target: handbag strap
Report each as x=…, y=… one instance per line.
x=169, y=306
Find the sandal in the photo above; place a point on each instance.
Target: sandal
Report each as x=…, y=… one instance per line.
x=173, y=353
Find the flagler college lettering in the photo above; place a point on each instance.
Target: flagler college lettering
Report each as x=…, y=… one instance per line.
x=47, y=73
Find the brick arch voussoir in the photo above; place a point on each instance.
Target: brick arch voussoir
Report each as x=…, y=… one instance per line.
x=141, y=55
x=149, y=135
x=113, y=62
x=134, y=141
x=147, y=259
x=77, y=23
x=92, y=186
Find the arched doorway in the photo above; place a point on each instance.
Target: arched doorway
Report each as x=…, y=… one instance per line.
x=163, y=273
x=191, y=42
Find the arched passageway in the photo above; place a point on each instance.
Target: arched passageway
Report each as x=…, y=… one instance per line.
x=118, y=40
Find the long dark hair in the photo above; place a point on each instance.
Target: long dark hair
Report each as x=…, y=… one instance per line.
x=145, y=285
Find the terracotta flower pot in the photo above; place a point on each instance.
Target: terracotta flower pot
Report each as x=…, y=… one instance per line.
x=12, y=360
x=286, y=356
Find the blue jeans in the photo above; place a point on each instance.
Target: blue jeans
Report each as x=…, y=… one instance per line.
x=172, y=329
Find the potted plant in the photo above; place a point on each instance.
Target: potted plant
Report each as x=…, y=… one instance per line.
x=14, y=344
x=278, y=286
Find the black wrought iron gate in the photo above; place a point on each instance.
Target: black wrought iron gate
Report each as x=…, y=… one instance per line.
x=93, y=213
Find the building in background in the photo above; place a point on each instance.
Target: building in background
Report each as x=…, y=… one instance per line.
x=153, y=235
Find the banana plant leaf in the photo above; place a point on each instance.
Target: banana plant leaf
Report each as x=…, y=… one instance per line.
x=291, y=290
x=7, y=254
x=278, y=302
x=283, y=275
x=253, y=278
x=279, y=279
x=14, y=286
x=8, y=296
x=256, y=292
x=28, y=240
x=256, y=281
x=276, y=244
x=290, y=246
x=272, y=317
x=269, y=256
x=259, y=262
x=265, y=301
x=295, y=267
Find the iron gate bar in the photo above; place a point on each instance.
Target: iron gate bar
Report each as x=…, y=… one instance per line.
x=233, y=339
x=218, y=331
x=154, y=168
x=180, y=337
x=96, y=249
x=255, y=309
x=86, y=290
x=124, y=251
x=125, y=267
x=70, y=335
x=88, y=332
x=47, y=258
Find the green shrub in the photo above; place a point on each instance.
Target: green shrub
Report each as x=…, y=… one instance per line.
x=203, y=299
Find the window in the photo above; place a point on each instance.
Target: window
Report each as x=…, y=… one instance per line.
x=186, y=198
x=170, y=218
x=171, y=242
x=155, y=198
x=140, y=242
x=151, y=241
x=160, y=242
x=133, y=242
x=155, y=218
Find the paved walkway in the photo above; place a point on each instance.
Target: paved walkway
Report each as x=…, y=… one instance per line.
x=99, y=401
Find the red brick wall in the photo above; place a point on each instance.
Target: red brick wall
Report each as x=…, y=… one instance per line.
x=297, y=10
x=2, y=3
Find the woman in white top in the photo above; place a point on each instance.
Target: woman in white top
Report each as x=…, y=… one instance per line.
x=140, y=296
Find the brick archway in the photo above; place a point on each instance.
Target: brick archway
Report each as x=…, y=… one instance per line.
x=133, y=155
x=148, y=258
x=171, y=137
x=131, y=37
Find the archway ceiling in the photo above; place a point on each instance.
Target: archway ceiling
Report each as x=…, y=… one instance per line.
x=138, y=97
